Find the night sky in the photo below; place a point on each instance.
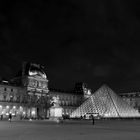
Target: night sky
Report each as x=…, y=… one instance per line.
x=95, y=42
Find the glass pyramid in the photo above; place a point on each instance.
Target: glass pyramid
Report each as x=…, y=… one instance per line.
x=107, y=104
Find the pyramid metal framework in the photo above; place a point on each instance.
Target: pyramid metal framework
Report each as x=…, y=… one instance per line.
x=107, y=104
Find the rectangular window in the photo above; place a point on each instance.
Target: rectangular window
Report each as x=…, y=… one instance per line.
x=4, y=97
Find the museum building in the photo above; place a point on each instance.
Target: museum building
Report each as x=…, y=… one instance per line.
x=27, y=95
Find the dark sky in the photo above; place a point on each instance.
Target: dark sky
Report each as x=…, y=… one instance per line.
x=76, y=40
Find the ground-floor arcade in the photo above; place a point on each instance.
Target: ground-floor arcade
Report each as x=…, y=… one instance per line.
x=21, y=111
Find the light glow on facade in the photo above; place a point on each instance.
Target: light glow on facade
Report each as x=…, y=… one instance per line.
x=31, y=73
x=56, y=112
x=14, y=107
x=7, y=106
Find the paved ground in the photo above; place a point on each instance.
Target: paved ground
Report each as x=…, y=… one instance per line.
x=71, y=130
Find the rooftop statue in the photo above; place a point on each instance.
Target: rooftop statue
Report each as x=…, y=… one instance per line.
x=55, y=101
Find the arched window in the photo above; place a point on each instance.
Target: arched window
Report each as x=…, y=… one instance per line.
x=63, y=102
x=18, y=99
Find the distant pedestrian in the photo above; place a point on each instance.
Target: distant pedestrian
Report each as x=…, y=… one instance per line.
x=84, y=116
x=61, y=120
x=21, y=117
x=93, y=121
x=10, y=117
x=1, y=116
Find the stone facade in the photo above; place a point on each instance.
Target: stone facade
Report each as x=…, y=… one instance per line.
x=132, y=98
x=69, y=101
x=24, y=103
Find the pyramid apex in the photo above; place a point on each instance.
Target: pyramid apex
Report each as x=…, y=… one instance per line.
x=104, y=86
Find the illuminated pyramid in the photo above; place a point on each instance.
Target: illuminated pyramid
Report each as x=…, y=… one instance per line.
x=107, y=104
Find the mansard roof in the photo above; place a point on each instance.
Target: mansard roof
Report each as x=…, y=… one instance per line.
x=32, y=69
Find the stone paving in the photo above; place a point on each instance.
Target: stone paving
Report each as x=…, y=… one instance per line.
x=70, y=130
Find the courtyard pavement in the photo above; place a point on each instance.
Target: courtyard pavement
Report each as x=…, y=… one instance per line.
x=70, y=130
